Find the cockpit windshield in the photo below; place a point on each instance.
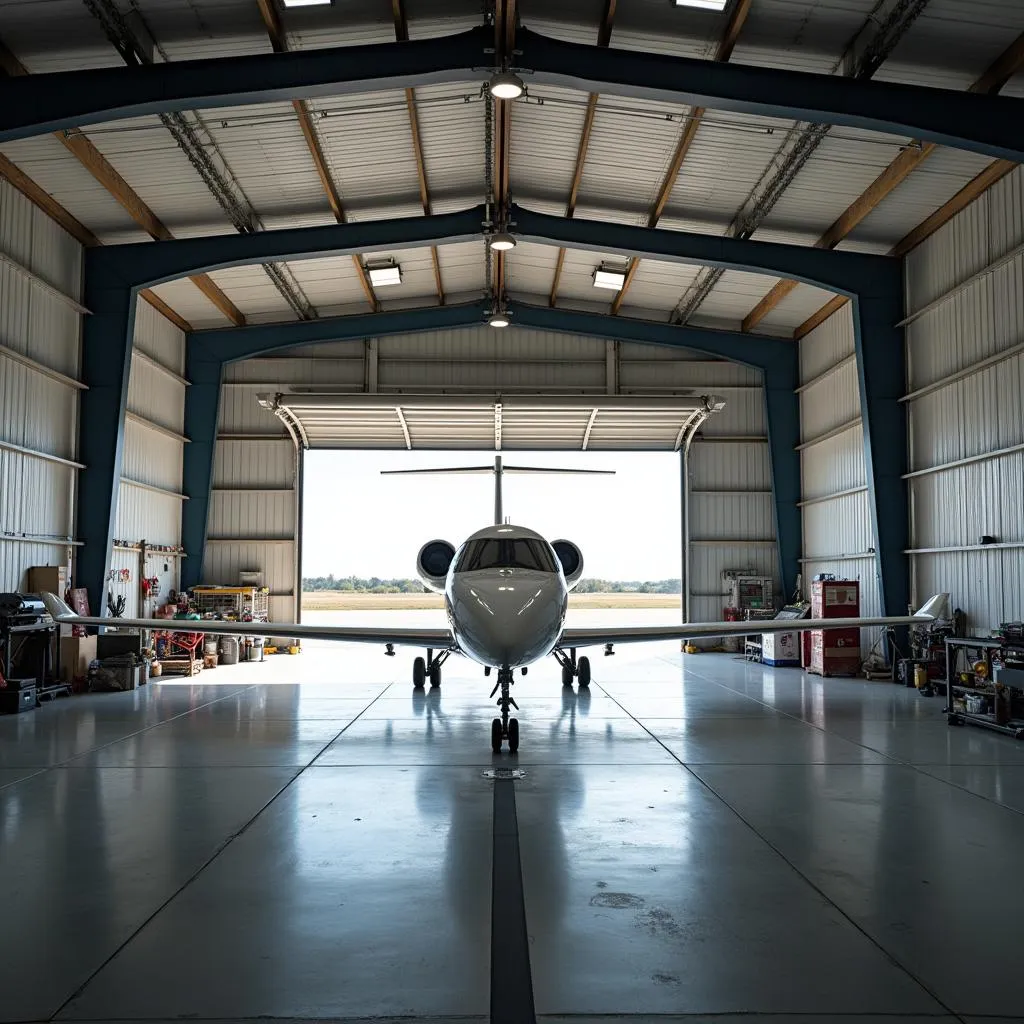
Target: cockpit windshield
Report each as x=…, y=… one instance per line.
x=506, y=553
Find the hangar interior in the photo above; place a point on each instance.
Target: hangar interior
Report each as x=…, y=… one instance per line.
x=232, y=231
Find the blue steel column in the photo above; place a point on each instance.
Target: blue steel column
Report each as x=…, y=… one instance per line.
x=881, y=375
x=106, y=368
x=782, y=411
x=202, y=413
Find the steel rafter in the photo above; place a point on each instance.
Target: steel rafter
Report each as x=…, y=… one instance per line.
x=402, y=35
x=984, y=124
x=604, y=38
x=731, y=35
x=1007, y=64
x=279, y=44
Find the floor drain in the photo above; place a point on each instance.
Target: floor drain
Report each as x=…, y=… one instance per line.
x=504, y=773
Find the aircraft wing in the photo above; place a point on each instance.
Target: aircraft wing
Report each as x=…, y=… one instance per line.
x=439, y=639
x=935, y=608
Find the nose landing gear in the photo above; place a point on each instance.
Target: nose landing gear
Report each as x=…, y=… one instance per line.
x=505, y=728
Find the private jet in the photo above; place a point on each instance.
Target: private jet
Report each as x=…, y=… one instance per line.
x=506, y=592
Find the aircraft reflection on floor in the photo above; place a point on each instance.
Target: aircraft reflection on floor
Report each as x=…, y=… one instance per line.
x=443, y=798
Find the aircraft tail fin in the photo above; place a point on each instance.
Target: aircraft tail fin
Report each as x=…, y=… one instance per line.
x=499, y=469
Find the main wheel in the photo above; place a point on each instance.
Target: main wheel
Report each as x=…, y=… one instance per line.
x=583, y=672
x=513, y=735
x=567, y=675
x=496, y=735
x=435, y=675
x=419, y=673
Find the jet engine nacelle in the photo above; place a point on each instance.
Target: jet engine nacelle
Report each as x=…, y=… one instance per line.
x=433, y=562
x=572, y=561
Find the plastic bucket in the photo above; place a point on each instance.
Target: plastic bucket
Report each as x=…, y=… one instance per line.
x=229, y=650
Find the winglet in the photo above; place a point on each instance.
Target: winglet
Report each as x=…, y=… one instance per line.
x=60, y=611
x=936, y=607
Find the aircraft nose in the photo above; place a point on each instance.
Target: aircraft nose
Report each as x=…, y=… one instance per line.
x=513, y=619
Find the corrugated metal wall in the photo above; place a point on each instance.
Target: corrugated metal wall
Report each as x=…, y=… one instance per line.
x=253, y=513
x=837, y=532
x=40, y=286
x=149, y=503
x=965, y=355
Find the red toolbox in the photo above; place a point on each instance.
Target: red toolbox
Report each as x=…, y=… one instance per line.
x=835, y=652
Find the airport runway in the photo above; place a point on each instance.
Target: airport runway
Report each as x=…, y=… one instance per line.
x=309, y=839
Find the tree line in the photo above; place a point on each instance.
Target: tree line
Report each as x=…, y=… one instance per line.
x=376, y=585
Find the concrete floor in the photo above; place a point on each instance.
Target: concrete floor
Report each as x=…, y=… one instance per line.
x=309, y=839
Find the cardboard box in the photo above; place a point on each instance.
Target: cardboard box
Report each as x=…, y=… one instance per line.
x=75, y=654
x=51, y=579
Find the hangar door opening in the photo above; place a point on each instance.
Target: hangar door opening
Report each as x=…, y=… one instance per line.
x=449, y=397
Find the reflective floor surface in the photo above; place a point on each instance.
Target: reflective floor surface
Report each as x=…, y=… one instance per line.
x=308, y=838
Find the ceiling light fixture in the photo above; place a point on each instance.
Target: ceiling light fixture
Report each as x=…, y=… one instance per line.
x=506, y=85
x=499, y=318
x=705, y=5
x=306, y=3
x=384, y=274
x=502, y=241
x=612, y=278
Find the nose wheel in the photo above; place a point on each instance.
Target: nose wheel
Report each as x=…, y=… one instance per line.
x=505, y=728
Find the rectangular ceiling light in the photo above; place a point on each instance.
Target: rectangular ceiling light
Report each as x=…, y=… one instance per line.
x=707, y=5
x=611, y=278
x=305, y=3
x=384, y=274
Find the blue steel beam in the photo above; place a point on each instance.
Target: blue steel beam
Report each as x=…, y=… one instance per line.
x=107, y=336
x=208, y=352
x=67, y=99
x=44, y=103
x=984, y=124
x=151, y=263
x=843, y=272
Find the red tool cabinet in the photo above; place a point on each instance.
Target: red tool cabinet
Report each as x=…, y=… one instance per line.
x=835, y=652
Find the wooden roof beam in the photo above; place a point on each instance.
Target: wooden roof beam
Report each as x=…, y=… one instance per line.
x=101, y=169
x=44, y=201
x=726, y=45
x=279, y=44
x=1005, y=66
x=402, y=35
x=604, y=38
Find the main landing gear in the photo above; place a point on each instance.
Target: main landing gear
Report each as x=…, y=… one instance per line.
x=505, y=728
x=429, y=667
x=574, y=668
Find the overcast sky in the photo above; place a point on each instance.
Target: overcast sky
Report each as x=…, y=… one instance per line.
x=359, y=523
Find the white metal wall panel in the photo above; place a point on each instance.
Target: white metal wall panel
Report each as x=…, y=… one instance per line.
x=829, y=403
x=36, y=497
x=36, y=411
x=155, y=396
x=251, y=514
x=955, y=508
x=837, y=532
x=224, y=562
x=729, y=465
x=974, y=416
x=834, y=465
x=254, y=463
x=151, y=457
x=158, y=338
x=147, y=515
